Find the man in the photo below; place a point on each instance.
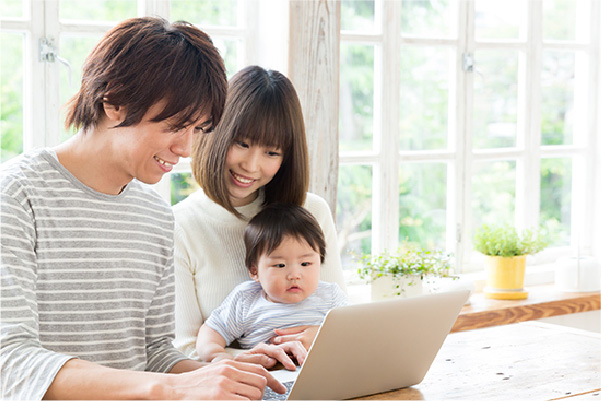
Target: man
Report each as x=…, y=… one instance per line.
x=86, y=253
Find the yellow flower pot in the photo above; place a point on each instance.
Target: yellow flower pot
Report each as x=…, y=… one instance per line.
x=505, y=277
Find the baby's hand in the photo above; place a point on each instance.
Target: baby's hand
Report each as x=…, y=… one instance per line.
x=305, y=334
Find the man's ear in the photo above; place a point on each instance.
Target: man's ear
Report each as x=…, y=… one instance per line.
x=254, y=273
x=114, y=113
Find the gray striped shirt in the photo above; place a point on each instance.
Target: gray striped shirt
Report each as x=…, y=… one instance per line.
x=84, y=275
x=247, y=316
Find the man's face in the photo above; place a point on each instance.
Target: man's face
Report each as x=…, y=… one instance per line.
x=148, y=150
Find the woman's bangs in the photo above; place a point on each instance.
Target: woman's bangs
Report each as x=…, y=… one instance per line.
x=269, y=130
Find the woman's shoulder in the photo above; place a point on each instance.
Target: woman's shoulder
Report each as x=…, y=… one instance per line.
x=317, y=206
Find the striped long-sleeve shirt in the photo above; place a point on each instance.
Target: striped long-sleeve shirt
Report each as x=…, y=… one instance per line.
x=84, y=275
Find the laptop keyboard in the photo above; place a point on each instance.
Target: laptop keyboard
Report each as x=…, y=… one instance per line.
x=272, y=395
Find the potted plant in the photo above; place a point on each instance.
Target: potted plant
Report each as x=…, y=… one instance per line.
x=400, y=275
x=505, y=253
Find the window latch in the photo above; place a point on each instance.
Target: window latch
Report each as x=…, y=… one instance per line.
x=49, y=54
x=467, y=63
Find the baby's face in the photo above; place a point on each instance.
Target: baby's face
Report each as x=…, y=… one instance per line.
x=290, y=273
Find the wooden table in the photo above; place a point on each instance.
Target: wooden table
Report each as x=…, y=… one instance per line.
x=522, y=361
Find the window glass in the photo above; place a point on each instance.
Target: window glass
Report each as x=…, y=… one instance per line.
x=357, y=15
x=495, y=105
x=556, y=198
x=207, y=12
x=356, y=116
x=354, y=211
x=429, y=18
x=566, y=20
x=182, y=185
x=97, y=10
x=493, y=193
x=426, y=73
x=11, y=99
x=422, y=204
x=557, y=97
x=74, y=49
x=500, y=20
x=12, y=8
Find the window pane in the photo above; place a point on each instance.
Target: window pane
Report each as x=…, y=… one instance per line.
x=426, y=74
x=556, y=198
x=557, y=100
x=230, y=50
x=423, y=204
x=429, y=18
x=495, y=99
x=500, y=20
x=182, y=185
x=356, y=97
x=354, y=211
x=207, y=12
x=357, y=15
x=11, y=8
x=97, y=10
x=11, y=100
x=566, y=20
x=493, y=193
x=74, y=49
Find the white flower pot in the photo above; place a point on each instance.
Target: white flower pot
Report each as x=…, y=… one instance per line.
x=391, y=287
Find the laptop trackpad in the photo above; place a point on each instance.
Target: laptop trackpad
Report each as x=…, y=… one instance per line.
x=287, y=378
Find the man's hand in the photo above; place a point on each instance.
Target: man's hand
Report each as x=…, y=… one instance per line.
x=223, y=380
x=305, y=334
x=267, y=355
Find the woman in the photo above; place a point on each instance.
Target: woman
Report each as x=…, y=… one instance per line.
x=256, y=156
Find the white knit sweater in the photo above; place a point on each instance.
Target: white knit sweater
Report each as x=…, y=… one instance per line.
x=209, y=258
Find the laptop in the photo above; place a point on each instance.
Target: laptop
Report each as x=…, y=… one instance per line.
x=372, y=348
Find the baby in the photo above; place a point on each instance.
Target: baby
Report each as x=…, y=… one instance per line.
x=284, y=251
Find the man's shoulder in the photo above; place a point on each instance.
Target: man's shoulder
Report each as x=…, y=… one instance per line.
x=27, y=169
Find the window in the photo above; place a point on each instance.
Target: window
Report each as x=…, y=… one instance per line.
x=458, y=113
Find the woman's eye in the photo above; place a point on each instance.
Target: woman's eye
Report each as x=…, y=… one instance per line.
x=242, y=144
x=273, y=154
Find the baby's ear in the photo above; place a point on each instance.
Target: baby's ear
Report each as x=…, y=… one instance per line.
x=253, y=273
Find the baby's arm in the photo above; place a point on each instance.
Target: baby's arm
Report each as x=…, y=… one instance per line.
x=210, y=346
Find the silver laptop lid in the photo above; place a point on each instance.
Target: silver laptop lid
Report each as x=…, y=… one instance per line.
x=376, y=347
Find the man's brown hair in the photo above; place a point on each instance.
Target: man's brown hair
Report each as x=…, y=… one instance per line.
x=143, y=61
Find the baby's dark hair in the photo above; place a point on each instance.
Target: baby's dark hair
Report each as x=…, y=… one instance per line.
x=268, y=228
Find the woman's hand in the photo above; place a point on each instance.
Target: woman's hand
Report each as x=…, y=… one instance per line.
x=304, y=334
x=267, y=355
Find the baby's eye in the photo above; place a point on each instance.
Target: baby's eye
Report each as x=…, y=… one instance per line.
x=280, y=265
x=305, y=264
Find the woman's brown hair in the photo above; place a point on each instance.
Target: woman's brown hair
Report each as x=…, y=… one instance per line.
x=143, y=61
x=262, y=108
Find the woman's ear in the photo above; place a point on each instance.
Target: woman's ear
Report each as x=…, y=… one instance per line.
x=253, y=273
x=114, y=113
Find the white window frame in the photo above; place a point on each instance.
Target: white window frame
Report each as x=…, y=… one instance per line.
x=386, y=160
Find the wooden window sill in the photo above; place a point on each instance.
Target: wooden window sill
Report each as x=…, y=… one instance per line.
x=542, y=301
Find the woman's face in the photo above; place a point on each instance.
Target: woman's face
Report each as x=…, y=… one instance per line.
x=248, y=167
